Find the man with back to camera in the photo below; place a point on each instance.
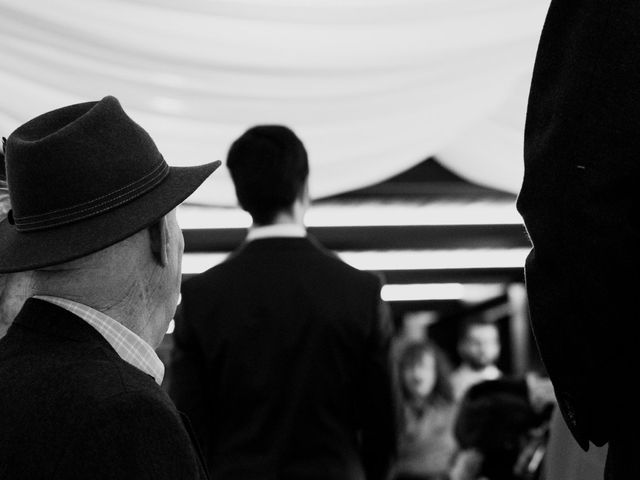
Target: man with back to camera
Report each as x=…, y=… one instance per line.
x=479, y=349
x=281, y=352
x=93, y=226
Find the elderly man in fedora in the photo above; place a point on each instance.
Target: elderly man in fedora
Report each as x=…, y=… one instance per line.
x=93, y=223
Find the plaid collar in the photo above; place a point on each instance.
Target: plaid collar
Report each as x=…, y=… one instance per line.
x=129, y=346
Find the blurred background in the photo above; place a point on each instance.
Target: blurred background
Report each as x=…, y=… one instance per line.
x=412, y=112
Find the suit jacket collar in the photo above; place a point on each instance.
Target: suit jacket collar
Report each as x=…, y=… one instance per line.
x=129, y=346
x=51, y=320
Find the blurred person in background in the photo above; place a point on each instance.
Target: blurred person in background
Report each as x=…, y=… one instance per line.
x=502, y=429
x=479, y=349
x=427, y=446
x=413, y=328
x=281, y=352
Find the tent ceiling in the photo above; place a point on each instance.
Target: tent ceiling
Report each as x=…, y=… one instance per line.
x=372, y=87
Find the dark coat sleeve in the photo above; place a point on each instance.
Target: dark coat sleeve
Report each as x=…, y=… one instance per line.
x=580, y=201
x=378, y=402
x=132, y=435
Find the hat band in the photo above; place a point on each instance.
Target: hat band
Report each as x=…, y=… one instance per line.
x=93, y=207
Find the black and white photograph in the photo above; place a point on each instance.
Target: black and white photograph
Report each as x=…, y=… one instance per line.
x=319, y=239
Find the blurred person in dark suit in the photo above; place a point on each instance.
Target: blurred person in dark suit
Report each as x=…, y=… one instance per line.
x=93, y=226
x=281, y=353
x=579, y=201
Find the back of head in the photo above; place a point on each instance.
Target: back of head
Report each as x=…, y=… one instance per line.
x=269, y=168
x=495, y=418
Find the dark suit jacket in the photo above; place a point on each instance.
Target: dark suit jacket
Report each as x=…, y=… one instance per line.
x=281, y=359
x=71, y=408
x=580, y=202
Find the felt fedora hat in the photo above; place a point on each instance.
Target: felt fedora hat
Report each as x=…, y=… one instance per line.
x=82, y=178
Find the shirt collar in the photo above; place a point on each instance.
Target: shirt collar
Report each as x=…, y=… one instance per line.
x=290, y=230
x=129, y=346
x=490, y=372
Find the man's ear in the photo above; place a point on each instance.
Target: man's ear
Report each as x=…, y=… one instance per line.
x=159, y=237
x=304, y=193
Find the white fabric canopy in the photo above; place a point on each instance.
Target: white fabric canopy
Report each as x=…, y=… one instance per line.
x=372, y=87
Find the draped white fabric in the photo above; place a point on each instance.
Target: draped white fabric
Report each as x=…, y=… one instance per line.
x=372, y=87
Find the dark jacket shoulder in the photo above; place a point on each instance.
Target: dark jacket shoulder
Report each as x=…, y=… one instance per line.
x=305, y=256
x=74, y=402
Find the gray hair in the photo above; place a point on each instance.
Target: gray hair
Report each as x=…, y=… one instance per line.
x=5, y=206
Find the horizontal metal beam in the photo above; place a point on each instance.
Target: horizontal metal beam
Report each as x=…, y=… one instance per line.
x=417, y=237
x=480, y=275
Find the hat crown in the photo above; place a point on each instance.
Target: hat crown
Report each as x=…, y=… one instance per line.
x=78, y=161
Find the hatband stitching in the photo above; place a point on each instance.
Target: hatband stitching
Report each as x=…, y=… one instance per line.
x=110, y=204
x=142, y=179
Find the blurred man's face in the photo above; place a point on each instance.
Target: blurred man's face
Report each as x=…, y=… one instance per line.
x=420, y=378
x=481, y=346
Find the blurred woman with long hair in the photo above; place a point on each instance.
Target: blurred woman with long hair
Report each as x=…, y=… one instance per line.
x=427, y=445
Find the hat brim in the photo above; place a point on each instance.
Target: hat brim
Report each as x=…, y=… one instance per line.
x=21, y=251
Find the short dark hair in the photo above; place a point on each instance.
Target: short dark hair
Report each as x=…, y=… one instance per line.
x=269, y=167
x=470, y=323
x=495, y=417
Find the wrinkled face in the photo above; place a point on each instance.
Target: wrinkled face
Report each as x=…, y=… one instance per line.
x=481, y=346
x=420, y=378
